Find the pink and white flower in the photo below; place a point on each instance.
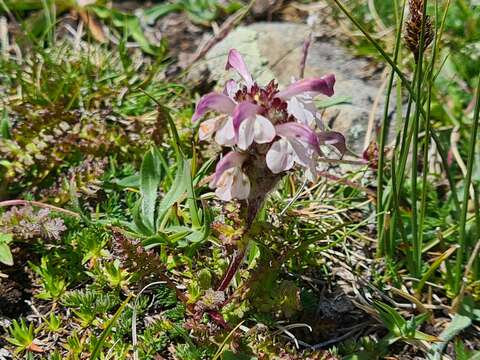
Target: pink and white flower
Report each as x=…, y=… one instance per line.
x=263, y=123
x=229, y=179
x=297, y=144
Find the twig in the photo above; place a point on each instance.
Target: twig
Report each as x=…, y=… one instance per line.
x=376, y=103
x=454, y=138
x=303, y=62
x=224, y=30
x=134, y=318
x=458, y=300
x=335, y=340
x=352, y=184
x=343, y=161
x=38, y=204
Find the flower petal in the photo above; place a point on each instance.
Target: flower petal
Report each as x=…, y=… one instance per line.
x=235, y=61
x=311, y=172
x=243, y=111
x=231, y=88
x=280, y=157
x=246, y=133
x=208, y=127
x=225, y=135
x=300, y=132
x=333, y=138
x=303, y=109
x=231, y=160
x=264, y=131
x=240, y=188
x=323, y=85
x=224, y=185
x=213, y=101
x=303, y=153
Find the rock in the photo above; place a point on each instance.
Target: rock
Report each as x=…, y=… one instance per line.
x=274, y=50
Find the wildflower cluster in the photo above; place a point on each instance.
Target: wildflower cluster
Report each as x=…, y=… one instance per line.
x=269, y=130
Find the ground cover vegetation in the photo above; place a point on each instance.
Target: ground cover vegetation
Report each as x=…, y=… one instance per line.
x=143, y=216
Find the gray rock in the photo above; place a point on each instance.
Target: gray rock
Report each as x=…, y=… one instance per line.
x=274, y=50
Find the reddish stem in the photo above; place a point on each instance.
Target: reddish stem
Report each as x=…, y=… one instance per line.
x=38, y=204
x=218, y=318
x=232, y=270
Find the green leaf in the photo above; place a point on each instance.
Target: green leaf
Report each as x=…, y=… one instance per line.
x=469, y=309
x=229, y=355
x=179, y=187
x=134, y=28
x=108, y=328
x=178, y=233
x=337, y=100
x=138, y=224
x=132, y=181
x=4, y=126
x=192, y=200
x=394, y=322
x=23, y=5
x=5, y=254
x=201, y=12
x=129, y=23
x=253, y=254
x=6, y=238
x=152, y=14
x=458, y=324
x=150, y=176
x=418, y=335
x=155, y=240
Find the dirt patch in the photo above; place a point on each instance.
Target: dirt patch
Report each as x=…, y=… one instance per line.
x=17, y=287
x=333, y=319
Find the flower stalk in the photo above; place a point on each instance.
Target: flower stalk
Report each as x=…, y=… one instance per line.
x=270, y=132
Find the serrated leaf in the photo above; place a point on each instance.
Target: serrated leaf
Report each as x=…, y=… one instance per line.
x=192, y=200
x=179, y=187
x=132, y=181
x=138, y=221
x=150, y=176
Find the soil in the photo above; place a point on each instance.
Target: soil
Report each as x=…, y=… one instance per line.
x=16, y=288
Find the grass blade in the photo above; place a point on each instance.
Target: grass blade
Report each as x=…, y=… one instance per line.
x=468, y=181
x=101, y=340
